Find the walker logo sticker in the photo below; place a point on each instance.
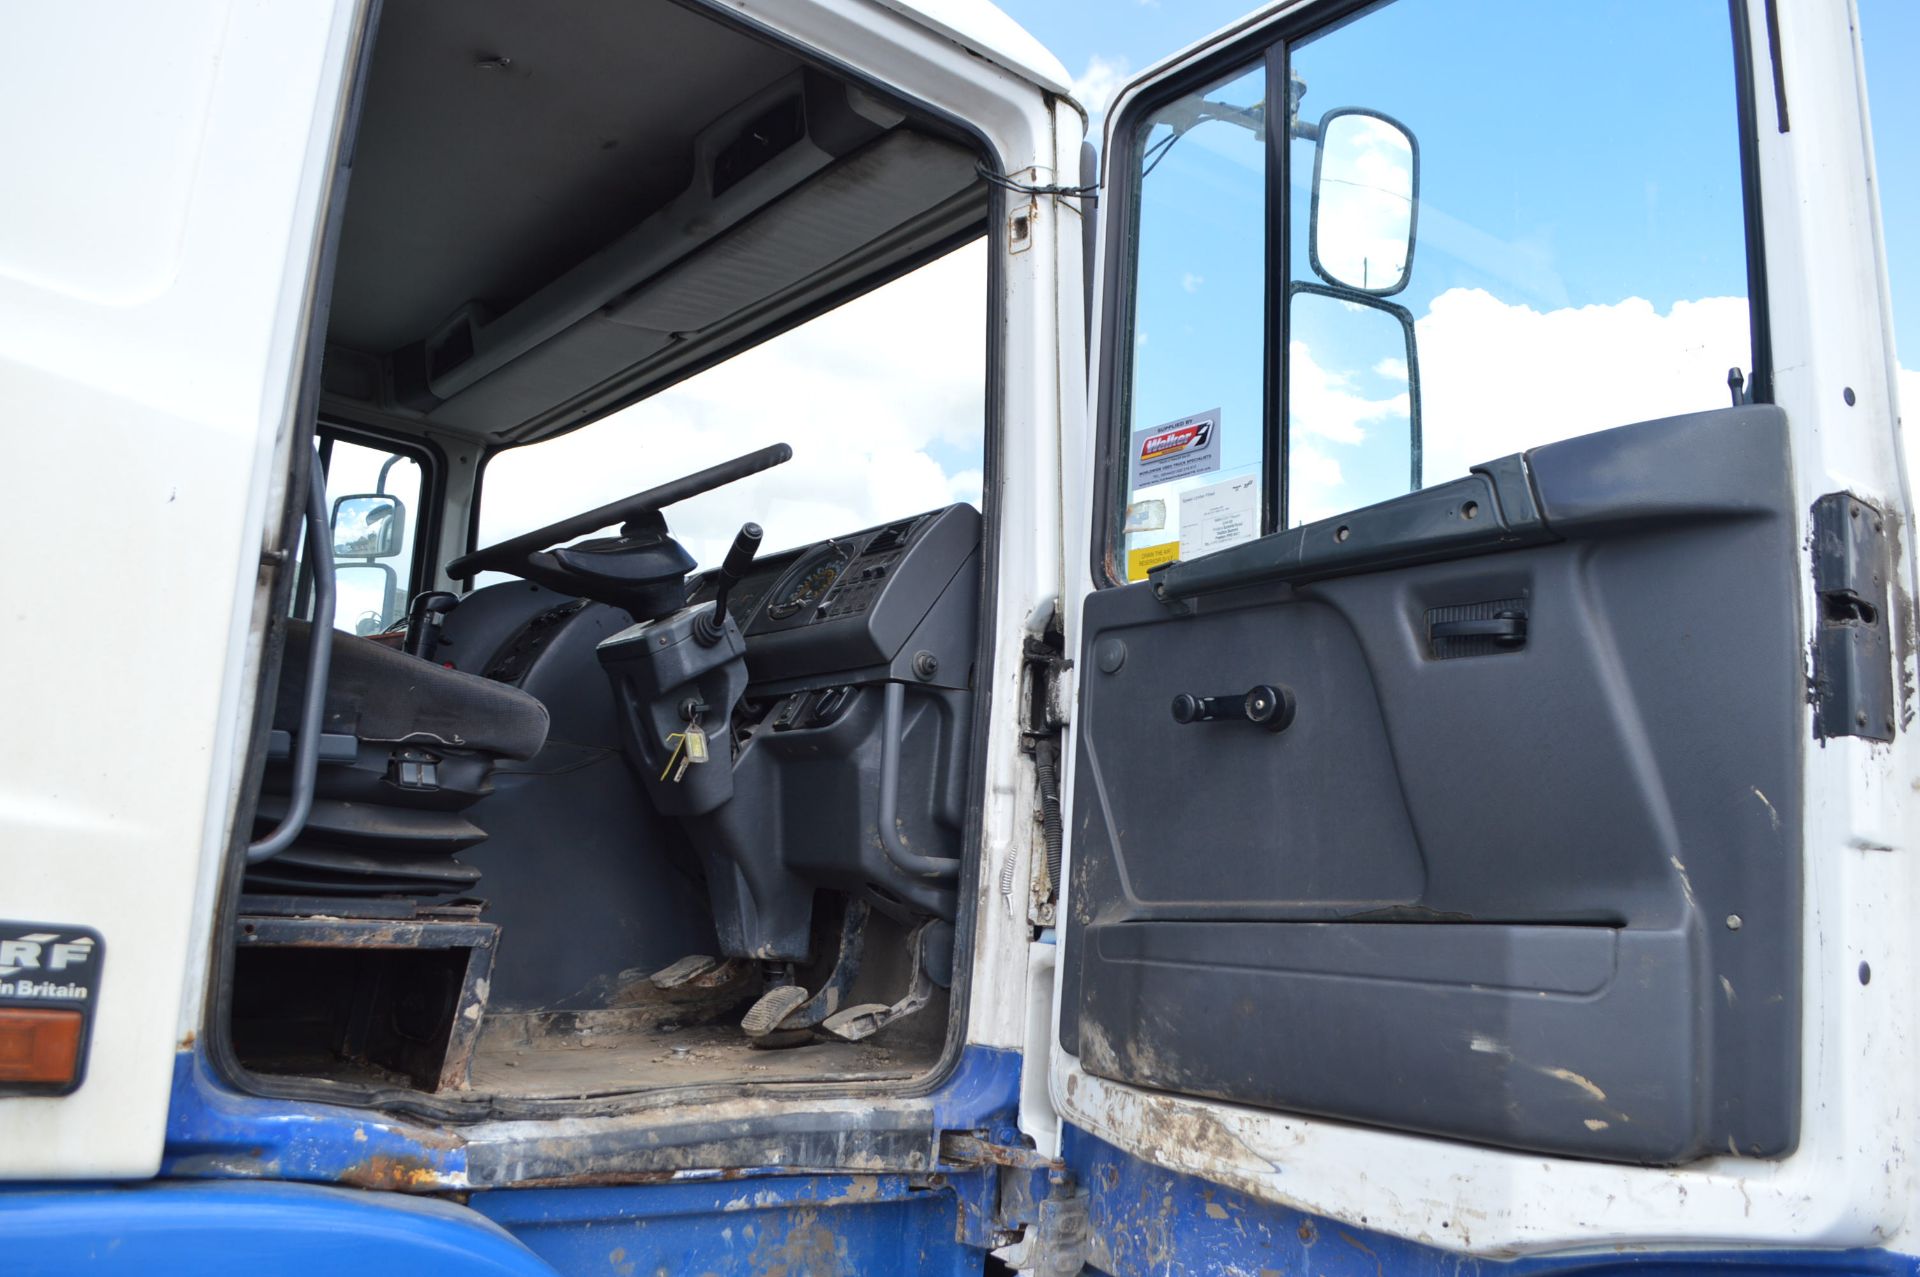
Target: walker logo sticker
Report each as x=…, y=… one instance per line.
x=49, y=964
x=1176, y=450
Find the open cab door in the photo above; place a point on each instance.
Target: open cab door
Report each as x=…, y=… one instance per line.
x=1487, y=799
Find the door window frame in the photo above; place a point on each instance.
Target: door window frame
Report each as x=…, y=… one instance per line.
x=1270, y=43
x=432, y=464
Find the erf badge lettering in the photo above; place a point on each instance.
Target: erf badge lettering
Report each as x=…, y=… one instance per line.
x=49, y=987
x=1177, y=449
x=54, y=958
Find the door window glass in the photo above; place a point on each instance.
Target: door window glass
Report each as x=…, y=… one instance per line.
x=1197, y=399
x=1496, y=234
x=1580, y=249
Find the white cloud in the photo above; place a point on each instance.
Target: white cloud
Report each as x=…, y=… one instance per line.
x=1094, y=87
x=1331, y=425
x=1315, y=480
x=1322, y=402
x=1496, y=378
x=871, y=396
x=1191, y=282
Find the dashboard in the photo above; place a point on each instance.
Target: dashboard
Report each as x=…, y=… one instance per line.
x=838, y=612
x=851, y=602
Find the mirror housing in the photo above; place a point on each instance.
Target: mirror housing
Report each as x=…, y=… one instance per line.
x=368, y=525
x=1353, y=396
x=367, y=594
x=1366, y=201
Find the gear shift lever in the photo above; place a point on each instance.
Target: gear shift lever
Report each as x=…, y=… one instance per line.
x=423, y=621
x=710, y=627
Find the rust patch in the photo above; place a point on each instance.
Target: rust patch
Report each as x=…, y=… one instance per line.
x=394, y=1174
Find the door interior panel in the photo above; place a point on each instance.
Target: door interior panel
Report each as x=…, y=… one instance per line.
x=1481, y=885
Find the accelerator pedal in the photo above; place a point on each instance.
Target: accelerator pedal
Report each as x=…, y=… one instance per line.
x=857, y=1023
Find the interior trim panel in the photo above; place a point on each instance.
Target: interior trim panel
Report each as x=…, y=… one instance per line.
x=1482, y=882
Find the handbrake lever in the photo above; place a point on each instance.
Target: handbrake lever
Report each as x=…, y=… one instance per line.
x=710, y=627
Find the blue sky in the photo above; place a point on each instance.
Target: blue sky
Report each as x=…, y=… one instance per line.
x=1104, y=42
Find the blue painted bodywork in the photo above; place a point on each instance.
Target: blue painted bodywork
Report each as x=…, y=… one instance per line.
x=216, y=1132
x=228, y=1203
x=1145, y=1220
x=258, y=1228
x=810, y=1224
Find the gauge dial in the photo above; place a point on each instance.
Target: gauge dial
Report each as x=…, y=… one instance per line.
x=805, y=588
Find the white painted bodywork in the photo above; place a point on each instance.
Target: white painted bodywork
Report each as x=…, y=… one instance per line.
x=154, y=303
x=1851, y=1181
x=159, y=212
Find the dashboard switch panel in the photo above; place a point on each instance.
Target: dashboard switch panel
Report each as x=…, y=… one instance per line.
x=851, y=603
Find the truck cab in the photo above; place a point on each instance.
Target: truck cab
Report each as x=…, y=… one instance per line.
x=732, y=655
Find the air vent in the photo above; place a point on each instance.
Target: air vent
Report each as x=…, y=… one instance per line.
x=892, y=537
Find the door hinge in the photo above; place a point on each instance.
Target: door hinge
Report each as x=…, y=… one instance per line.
x=1852, y=647
x=1049, y=684
x=1038, y=1209
x=1049, y=701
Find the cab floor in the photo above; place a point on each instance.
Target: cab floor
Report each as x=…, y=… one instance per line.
x=558, y=1057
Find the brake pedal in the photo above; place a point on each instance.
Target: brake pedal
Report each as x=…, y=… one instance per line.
x=775, y=1005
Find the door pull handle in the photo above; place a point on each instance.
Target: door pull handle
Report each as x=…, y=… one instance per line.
x=1268, y=705
x=1507, y=629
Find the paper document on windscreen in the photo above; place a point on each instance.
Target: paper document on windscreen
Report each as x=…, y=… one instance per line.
x=1219, y=515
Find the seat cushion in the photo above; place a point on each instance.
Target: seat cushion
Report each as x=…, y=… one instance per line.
x=378, y=694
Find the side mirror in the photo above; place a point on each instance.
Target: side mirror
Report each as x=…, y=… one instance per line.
x=366, y=597
x=1366, y=199
x=368, y=526
x=1353, y=402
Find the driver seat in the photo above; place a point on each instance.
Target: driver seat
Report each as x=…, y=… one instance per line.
x=406, y=746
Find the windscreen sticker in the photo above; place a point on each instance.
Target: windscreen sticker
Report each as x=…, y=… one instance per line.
x=1219, y=515
x=1178, y=450
x=1148, y=557
x=1146, y=516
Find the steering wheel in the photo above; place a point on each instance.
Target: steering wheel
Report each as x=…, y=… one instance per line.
x=593, y=569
